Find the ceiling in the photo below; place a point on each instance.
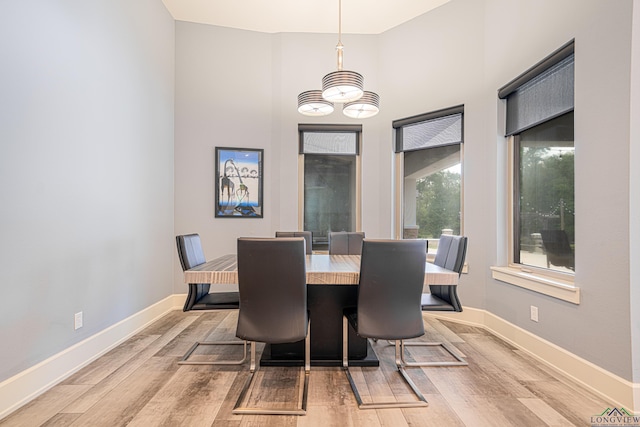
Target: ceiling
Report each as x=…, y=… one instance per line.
x=301, y=16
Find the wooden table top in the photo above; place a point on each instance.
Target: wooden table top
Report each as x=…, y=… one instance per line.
x=321, y=270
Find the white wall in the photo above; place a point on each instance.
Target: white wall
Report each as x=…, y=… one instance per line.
x=86, y=170
x=460, y=53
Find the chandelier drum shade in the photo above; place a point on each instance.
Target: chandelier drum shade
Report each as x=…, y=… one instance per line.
x=342, y=86
x=367, y=106
x=311, y=103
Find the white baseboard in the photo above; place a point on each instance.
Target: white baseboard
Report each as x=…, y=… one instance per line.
x=27, y=385
x=612, y=388
x=30, y=383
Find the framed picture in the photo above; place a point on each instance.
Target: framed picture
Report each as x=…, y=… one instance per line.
x=239, y=176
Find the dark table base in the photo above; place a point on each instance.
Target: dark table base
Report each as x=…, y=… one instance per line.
x=325, y=304
x=295, y=359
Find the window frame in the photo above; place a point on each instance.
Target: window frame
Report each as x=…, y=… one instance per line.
x=327, y=128
x=399, y=163
x=541, y=280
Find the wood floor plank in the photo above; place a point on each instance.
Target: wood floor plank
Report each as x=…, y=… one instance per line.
x=140, y=383
x=44, y=407
x=329, y=387
x=489, y=411
x=96, y=393
x=438, y=413
x=347, y=415
x=112, y=361
x=188, y=399
x=119, y=406
x=546, y=413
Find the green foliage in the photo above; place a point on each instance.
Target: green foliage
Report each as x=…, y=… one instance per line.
x=546, y=191
x=438, y=204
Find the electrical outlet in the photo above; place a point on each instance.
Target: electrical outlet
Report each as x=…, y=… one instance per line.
x=77, y=321
x=534, y=313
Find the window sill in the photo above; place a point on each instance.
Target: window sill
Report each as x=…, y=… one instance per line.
x=552, y=287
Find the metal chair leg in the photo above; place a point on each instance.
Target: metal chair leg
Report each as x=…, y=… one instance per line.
x=460, y=361
x=399, y=364
x=239, y=408
x=185, y=361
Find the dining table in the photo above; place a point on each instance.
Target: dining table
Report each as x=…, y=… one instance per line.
x=332, y=285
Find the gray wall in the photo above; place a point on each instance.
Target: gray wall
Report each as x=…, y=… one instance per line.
x=460, y=53
x=86, y=169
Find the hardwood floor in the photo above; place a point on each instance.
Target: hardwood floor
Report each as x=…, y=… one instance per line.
x=139, y=383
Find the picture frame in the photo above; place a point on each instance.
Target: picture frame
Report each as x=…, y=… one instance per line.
x=238, y=182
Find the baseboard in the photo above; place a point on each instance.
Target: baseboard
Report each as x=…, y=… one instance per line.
x=612, y=388
x=30, y=383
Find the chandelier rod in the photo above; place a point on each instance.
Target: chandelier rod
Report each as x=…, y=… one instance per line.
x=339, y=47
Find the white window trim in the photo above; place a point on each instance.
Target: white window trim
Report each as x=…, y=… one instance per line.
x=553, y=284
x=538, y=282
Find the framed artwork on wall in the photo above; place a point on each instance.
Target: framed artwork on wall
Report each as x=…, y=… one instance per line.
x=239, y=179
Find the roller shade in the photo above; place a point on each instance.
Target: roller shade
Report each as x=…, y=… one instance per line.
x=542, y=93
x=436, y=129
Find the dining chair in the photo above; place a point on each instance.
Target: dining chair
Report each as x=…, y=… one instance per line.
x=345, y=242
x=273, y=306
x=557, y=248
x=199, y=297
x=308, y=238
x=391, y=280
x=450, y=255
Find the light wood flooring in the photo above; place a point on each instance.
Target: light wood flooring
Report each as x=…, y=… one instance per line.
x=139, y=383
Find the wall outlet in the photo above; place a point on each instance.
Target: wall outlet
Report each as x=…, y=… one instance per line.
x=77, y=321
x=534, y=313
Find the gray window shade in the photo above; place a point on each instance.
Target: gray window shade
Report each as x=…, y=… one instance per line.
x=443, y=127
x=329, y=143
x=542, y=93
x=329, y=139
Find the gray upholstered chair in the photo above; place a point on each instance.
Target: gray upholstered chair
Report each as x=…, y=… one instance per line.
x=345, y=242
x=191, y=255
x=273, y=305
x=450, y=255
x=308, y=238
x=391, y=281
x=558, y=249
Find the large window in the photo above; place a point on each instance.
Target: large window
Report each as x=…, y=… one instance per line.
x=429, y=150
x=329, y=168
x=539, y=128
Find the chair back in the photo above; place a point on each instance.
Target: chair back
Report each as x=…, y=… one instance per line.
x=345, y=242
x=308, y=238
x=391, y=281
x=445, y=297
x=442, y=253
x=273, y=290
x=191, y=255
x=190, y=251
x=557, y=248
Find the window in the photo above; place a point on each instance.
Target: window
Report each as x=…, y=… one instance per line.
x=544, y=213
x=539, y=128
x=330, y=169
x=429, y=166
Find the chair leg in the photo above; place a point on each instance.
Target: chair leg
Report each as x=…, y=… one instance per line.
x=399, y=363
x=185, y=361
x=239, y=408
x=460, y=361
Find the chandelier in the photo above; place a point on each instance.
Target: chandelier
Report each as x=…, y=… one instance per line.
x=341, y=86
